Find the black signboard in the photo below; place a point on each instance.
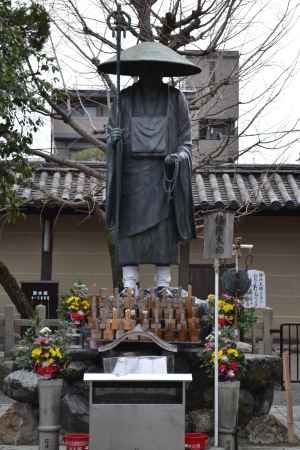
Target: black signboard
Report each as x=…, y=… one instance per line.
x=42, y=293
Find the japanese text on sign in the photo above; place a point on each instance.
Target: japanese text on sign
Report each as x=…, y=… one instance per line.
x=256, y=296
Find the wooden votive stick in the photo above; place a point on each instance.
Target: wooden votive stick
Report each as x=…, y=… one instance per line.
x=108, y=333
x=189, y=302
x=289, y=398
x=115, y=321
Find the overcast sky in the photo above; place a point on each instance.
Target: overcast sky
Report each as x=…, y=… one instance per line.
x=281, y=115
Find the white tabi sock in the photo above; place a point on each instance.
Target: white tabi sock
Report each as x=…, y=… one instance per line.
x=130, y=277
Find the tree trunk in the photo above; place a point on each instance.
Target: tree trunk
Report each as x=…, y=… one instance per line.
x=13, y=290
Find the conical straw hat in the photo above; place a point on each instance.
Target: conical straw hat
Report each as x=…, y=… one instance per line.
x=151, y=57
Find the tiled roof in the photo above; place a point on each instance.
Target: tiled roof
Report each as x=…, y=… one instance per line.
x=235, y=187
x=53, y=184
x=248, y=187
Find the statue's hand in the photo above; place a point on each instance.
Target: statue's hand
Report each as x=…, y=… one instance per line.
x=115, y=135
x=170, y=160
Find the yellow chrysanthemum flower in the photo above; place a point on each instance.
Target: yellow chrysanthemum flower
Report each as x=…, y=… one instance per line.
x=73, y=300
x=52, y=352
x=58, y=352
x=74, y=307
x=36, y=353
x=228, y=308
x=220, y=354
x=233, y=352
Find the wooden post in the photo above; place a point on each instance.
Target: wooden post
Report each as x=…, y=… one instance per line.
x=94, y=306
x=267, y=325
x=9, y=329
x=289, y=398
x=184, y=264
x=41, y=317
x=46, y=248
x=253, y=338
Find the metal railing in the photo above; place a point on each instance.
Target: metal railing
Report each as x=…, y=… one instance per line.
x=289, y=342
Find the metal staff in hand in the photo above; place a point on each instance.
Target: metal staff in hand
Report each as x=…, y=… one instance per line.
x=118, y=21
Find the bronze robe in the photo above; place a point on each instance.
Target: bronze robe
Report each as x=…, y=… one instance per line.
x=150, y=223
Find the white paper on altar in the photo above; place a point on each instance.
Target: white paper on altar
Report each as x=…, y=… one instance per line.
x=141, y=364
x=256, y=296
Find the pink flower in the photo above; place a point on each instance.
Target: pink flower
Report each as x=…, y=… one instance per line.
x=222, y=368
x=230, y=374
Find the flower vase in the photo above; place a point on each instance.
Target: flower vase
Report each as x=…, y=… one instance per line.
x=49, y=413
x=74, y=332
x=229, y=393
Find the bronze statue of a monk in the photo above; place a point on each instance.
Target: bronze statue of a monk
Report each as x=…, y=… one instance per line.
x=156, y=209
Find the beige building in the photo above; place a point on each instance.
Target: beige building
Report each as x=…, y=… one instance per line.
x=215, y=105
x=90, y=108
x=267, y=206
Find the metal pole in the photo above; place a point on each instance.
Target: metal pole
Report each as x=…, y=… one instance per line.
x=118, y=39
x=216, y=362
x=236, y=261
x=237, y=247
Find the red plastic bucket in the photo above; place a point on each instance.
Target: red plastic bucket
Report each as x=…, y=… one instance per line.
x=76, y=441
x=196, y=441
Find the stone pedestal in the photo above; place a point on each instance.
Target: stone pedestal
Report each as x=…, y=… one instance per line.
x=256, y=393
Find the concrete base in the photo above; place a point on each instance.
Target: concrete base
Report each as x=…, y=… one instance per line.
x=227, y=441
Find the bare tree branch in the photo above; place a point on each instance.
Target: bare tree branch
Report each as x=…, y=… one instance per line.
x=67, y=163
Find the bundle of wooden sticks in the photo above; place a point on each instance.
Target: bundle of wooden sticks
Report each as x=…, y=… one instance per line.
x=172, y=319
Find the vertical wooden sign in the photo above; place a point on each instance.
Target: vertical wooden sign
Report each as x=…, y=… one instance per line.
x=218, y=235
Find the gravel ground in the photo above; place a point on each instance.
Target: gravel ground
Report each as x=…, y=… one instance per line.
x=280, y=399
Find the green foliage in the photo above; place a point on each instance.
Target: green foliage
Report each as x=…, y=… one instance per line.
x=89, y=154
x=24, y=28
x=51, y=348
x=232, y=313
x=23, y=357
x=247, y=319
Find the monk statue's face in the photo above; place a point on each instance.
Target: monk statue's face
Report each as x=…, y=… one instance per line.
x=150, y=79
